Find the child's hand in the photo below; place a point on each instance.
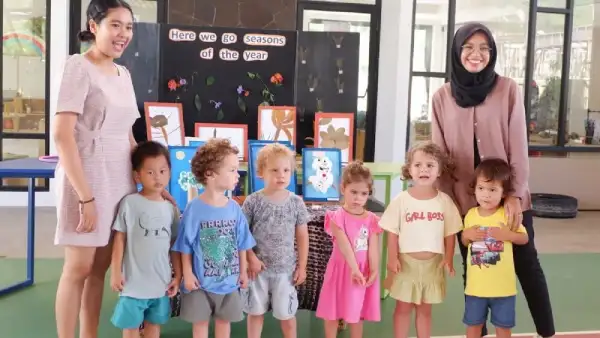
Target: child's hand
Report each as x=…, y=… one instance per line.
x=448, y=264
x=394, y=265
x=358, y=278
x=501, y=233
x=372, y=277
x=299, y=276
x=173, y=288
x=255, y=266
x=117, y=282
x=190, y=282
x=474, y=234
x=243, y=279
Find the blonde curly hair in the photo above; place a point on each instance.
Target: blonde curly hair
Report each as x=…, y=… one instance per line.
x=433, y=150
x=271, y=152
x=209, y=158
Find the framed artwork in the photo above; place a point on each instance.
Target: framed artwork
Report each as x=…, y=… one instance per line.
x=277, y=123
x=183, y=185
x=194, y=141
x=321, y=174
x=236, y=133
x=256, y=183
x=164, y=123
x=287, y=143
x=335, y=130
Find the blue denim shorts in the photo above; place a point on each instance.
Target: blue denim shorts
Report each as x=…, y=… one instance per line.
x=502, y=311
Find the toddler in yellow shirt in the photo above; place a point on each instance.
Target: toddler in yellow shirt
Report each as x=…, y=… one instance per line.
x=491, y=278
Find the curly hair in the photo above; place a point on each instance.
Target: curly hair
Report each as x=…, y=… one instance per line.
x=495, y=170
x=356, y=172
x=444, y=161
x=271, y=152
x=209, y=158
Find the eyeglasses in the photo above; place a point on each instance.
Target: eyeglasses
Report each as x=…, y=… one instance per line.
x=483, y=50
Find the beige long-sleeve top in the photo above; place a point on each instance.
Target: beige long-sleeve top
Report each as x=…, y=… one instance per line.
x=498, y=126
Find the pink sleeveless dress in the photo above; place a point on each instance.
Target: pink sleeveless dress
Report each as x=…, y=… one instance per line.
x=340, y=298
x=106, y=108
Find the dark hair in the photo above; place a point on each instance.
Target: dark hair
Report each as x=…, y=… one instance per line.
x=495, y=170
x=148, y=149
x=446, y=165
x=209, y=158
x=97, y=10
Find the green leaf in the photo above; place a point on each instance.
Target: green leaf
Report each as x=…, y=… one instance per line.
x=251, y=75
x=264, y=103
x=197, y=102
x=241, y=104
x=210, y=80
x=278, y=84
x=220, y=115
x=265, y=93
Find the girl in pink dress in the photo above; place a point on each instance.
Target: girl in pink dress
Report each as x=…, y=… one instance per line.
x=351, y=285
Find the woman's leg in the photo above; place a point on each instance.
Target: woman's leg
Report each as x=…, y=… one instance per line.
x=402, y=319
x=423, y=320
x=91, y=302
x=76, y=268
x=533, y=282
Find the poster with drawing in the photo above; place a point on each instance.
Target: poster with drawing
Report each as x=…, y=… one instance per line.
x=335, y=130
x=183, y=185
x=236, y=133
x=277, y=123
x=321, y=174
x=164, y=123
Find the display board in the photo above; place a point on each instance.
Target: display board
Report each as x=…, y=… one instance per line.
x=222, y=75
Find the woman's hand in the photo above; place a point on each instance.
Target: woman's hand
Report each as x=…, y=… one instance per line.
x=166, y=195
x=514, y=214
x=87, y=217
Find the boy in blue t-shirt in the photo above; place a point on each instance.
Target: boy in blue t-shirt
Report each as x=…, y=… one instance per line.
x=213, y=239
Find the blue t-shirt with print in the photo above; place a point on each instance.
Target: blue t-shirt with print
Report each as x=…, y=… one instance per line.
x=214, y=236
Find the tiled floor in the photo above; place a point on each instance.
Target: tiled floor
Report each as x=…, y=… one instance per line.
x=578, y=235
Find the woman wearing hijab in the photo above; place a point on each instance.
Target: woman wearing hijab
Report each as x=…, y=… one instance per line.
x=480, y=115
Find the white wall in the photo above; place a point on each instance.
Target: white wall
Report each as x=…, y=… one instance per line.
x=393, y=92
x=58, y=52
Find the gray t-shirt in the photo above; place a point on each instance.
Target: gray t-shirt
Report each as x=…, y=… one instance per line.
x=273, y=225
x=150, y=227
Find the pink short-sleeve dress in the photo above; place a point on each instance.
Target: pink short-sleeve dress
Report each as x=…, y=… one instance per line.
x=340, y=298
x=106, y=108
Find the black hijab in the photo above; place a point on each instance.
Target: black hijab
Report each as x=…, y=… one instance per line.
x=471, y=89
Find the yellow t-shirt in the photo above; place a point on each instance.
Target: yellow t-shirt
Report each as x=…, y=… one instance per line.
x=490, y=266
x=421, y=225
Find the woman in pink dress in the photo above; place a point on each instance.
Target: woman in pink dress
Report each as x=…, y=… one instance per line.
x=350, y=289
x=92, y=129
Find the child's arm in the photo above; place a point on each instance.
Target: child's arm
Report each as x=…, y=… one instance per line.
x=187, y=232
x=520, y=237
x=175, y=256
x=245, y=243
x=391, y=222
x=373, y=258
x=345, y=246
x=302, y=219
x=116, y=263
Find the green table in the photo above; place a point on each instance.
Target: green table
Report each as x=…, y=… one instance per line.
x=381, y=171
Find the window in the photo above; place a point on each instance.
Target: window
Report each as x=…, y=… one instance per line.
x=430, y=41
x=583, y=117
x=24, y=84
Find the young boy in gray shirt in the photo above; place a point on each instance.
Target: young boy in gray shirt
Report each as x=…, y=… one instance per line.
x=145, y=227
x=277, y=217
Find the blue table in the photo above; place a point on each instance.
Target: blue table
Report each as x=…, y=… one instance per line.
x=30, y=168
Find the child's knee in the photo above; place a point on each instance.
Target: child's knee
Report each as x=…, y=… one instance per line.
x=403, y=308
x=288, y=325
x=424, y=310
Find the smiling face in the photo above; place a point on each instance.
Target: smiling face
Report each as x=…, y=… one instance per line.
x=114, y=32
x=424, y=169
x=475, y=53
x=322, y=164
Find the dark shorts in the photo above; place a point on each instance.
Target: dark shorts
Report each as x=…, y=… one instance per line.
x=502, y=311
